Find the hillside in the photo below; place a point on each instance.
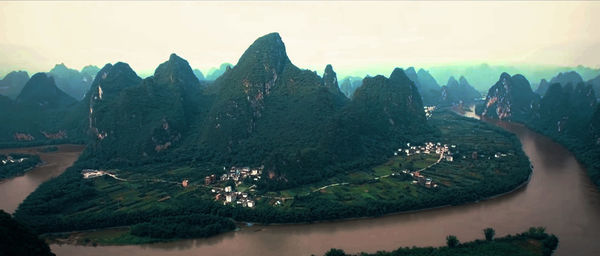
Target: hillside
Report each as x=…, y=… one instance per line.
x=568, y=113
x=511, y=98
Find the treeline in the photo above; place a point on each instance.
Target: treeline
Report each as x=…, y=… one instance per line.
x=9, y=169
x=534, y=242
x=188, y=226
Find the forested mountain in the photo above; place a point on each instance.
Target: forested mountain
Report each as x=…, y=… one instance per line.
x=563, y=79
x=12, y=84
x=41, y=90
x=330, y=81
x=131, y=119
x=262, y=111
x=511, y=98
x=595, y=82
x=458, y=91
x=568, y=112
x=37, y=114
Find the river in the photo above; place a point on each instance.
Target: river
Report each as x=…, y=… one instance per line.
x=559, y=196
x=14, y=190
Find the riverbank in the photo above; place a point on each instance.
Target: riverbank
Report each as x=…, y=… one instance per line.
x=534, y=242
x=54, y=164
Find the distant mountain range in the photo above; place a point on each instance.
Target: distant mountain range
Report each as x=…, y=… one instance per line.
x=482, y=75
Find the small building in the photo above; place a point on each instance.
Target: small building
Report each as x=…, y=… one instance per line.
x=184, y=183
x=250, y=203
x=228, y=189
x=230, y=198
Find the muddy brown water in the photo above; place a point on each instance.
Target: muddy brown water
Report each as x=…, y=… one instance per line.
x=559, y=196
x=14, y=190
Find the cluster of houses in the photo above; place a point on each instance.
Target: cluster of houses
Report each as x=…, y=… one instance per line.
x=428, y=111
x=10, y=160
x=229, y=196
x=428, y=148
x=238, y=175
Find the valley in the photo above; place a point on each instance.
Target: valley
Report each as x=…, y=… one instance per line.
x=388, y=137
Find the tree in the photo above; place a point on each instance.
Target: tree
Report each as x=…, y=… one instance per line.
x=489, y=234
x=452, y=241
x=335, y=252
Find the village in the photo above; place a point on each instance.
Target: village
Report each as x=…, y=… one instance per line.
x=228, y=194
x=10, y=160
x=428, y=148
x=444, y=150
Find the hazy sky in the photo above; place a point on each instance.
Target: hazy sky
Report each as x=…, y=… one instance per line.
x=355, y=37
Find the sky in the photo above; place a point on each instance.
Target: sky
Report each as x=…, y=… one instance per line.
x=355, y=37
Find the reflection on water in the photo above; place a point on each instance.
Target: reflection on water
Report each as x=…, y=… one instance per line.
x=559, y=196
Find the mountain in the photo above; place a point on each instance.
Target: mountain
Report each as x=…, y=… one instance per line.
x=215, y=73
x=562, y=78
x=268, y=111
x=567, y=109
x=330, y=80
x=458, y=91
x=71, y=81
x=482, y=75
x=388, y=108
x=595, y=82
x=12, y=84
x=198, y=74
x=427, y=81
x=426, y=84
x=41, y=90
x=264, y=111
x=37, y=114
x=349, y=85
x=90, y=71
x=133, y=119
x=511, y=98
x=542, y=87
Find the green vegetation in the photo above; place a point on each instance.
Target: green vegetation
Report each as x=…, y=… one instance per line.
x=534, y=242
x=149, y=193
x=194, y=225
x=12, y=165
x=16, y=239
